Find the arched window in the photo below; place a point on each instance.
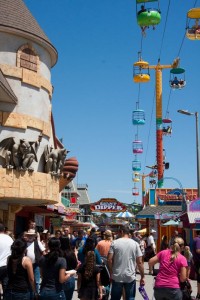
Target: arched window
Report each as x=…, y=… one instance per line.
x=27, y=58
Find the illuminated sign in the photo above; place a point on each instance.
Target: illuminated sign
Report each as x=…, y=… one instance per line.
x=166, y=216
x=108, y=205
x=176, y=194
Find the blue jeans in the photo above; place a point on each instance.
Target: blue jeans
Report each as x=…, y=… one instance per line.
x=167, y=294
x=117, y=287
x=3, y=278
x=51, y=295
x=36, y=271
x=69, y=287
x=11, y=295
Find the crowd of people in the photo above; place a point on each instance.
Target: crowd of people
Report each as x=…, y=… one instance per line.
x=44, y=266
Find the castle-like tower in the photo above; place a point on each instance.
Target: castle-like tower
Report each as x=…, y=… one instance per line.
x=27, y=139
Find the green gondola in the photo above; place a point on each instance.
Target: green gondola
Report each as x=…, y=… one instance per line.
x=148, y=16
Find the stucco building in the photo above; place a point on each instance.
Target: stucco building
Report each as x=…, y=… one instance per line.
x=27, y=131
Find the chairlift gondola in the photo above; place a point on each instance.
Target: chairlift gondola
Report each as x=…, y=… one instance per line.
x=167, y=126
x=138, y=117
x=153, y=174
x=135, y=191
x=152, y=182
x=136, y=165
x=193, y=32
x=177, y=82
x=147, y=16
x=137, y=147
x=141, y=71
x=136, y=177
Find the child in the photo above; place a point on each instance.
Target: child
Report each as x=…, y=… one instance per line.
x=188, y=255
x=89, y=287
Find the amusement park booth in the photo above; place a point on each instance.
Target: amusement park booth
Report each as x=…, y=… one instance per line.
x=191, y=219
x=166, y=205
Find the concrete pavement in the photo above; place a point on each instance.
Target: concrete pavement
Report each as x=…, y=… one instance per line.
x=149, y=279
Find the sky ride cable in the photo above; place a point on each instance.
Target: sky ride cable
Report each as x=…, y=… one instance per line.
x=138, y=99
x=183, y=39
x=167, y=109
x=164, y=29
x=141, y=44
x=150, y=126
x=195, y=2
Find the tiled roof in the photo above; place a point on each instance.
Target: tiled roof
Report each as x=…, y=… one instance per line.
x=84, y=196
x=152, y=210
x=6, y=93
x=16, y=17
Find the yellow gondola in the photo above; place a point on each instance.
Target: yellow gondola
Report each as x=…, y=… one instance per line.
x=139, y=76
x=193, y=32
x=136, y=177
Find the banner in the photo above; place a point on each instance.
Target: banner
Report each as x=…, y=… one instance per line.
x=107, y=205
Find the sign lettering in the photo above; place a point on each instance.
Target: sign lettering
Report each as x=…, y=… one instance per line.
x=108, y=205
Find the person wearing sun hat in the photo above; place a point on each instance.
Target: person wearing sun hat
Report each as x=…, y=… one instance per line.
x=34, y=251
x=104, y=246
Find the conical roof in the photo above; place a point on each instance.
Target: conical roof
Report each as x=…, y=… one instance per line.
x=16, y=18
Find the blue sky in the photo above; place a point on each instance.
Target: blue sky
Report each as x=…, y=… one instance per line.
x=94, y=93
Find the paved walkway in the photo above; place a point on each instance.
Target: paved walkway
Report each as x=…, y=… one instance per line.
x=149, y=279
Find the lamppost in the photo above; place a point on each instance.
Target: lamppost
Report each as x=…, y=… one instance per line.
x=196, y=114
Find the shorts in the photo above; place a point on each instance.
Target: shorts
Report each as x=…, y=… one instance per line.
x=197, y=270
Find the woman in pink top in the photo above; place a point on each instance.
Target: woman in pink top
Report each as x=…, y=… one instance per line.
x=172, y=271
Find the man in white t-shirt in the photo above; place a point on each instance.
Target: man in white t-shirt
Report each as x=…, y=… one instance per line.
x=34, y=251
x=5, y=250
x=151, y=243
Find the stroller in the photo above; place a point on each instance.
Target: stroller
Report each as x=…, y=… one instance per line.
x=105, y=279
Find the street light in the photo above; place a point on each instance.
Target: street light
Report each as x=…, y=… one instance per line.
x=186, y=112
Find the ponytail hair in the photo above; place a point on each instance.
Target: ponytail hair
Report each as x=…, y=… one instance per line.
x=176, y=248
x=90, y=264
